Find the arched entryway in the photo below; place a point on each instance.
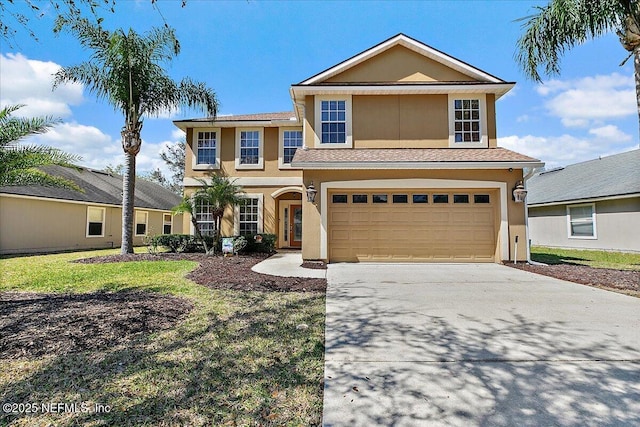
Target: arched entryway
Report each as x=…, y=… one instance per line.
x=289, y=216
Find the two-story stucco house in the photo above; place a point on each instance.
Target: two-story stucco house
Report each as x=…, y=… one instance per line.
x=400, y=143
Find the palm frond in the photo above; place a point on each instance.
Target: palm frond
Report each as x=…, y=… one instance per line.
x=13, y=129
x=561, y=25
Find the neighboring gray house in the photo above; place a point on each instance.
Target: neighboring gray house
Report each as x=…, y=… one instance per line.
x=589, y=205
x=34, y=218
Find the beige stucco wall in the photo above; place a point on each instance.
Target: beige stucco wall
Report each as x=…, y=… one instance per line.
x=311, y=213
x=38, y=225
x=399, y=64
x=616, y=226
x=399, y=121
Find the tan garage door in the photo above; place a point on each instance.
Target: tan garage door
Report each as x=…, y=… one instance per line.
x=417, y=225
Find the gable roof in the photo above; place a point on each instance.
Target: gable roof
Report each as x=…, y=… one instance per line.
x=99, y=187
x=611, y=176
x=409, y=43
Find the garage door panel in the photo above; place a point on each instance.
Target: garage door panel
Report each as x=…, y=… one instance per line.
x=402, y=232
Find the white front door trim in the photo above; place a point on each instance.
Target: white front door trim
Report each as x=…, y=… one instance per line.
x=414, y=183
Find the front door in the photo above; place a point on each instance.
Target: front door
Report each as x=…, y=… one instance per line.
x=295, y=226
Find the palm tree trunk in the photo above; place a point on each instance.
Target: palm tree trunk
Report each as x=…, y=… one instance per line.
x=196, y=228
x=128, y=192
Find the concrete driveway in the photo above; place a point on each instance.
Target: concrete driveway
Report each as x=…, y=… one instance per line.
x=477, y=344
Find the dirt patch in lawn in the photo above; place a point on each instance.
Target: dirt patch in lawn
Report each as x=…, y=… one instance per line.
x=220, y=272
x=33, y=324
x=622, y=281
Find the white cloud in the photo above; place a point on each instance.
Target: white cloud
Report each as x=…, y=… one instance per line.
x=610, y=132
x=28, y=81
x=523, y=118
x=568, y=149
x=579, y=102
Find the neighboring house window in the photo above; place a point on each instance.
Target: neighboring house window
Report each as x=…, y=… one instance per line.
x=207, y=145
x=467, y=121
x=166, y=223
x=249, y=149
x=206, y=149
x=292, y=140
x=582, y=221
x=333, y=122
x=141, y=223
x=205, y=220
x=95, y=221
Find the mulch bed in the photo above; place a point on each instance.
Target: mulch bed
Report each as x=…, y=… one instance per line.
x=623, y=281
x=33, y=324
x=218, y=272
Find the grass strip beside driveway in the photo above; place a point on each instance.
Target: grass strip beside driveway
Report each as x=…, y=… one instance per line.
x=238, y=358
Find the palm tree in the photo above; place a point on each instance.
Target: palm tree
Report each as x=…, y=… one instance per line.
x=19, y=163
x=563, y=24
x=129, y=71
x=218, y=195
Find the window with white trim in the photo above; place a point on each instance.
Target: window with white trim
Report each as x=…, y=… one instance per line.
x=466, y=120
x=204, y=218
x=249, y=217
x=206, y=148
x=249, y=148
x=95, y=221
x=166, y=223
x=291, y=141
x=333, y=122
x=141, y=220
x=582, y=221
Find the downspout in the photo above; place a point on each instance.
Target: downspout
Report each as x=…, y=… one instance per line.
x=526, y=220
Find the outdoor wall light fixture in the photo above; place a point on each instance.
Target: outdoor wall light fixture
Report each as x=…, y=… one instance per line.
x=311, y=193
x=519, y=193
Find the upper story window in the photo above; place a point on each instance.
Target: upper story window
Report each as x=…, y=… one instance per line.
x=467, y=121
x=333, y=121
x=249, y=149
x=206, y=149
x=290, y=141
x=207, y=145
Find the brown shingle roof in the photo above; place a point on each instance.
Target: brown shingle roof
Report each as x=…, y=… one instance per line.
x=259, y=117
x=426, y=156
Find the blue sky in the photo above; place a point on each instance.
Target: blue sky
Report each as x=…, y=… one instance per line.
x=250, y=52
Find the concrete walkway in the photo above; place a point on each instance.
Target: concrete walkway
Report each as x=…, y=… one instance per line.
x=477, y=345
x=287, y=264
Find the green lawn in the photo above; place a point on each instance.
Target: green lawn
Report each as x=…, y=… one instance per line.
x=596, y=259
x=237, y=359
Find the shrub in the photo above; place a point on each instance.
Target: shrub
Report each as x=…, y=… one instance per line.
x=187, y=243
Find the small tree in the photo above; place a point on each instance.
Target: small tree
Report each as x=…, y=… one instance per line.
x=218, y=195
x=19, y=163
